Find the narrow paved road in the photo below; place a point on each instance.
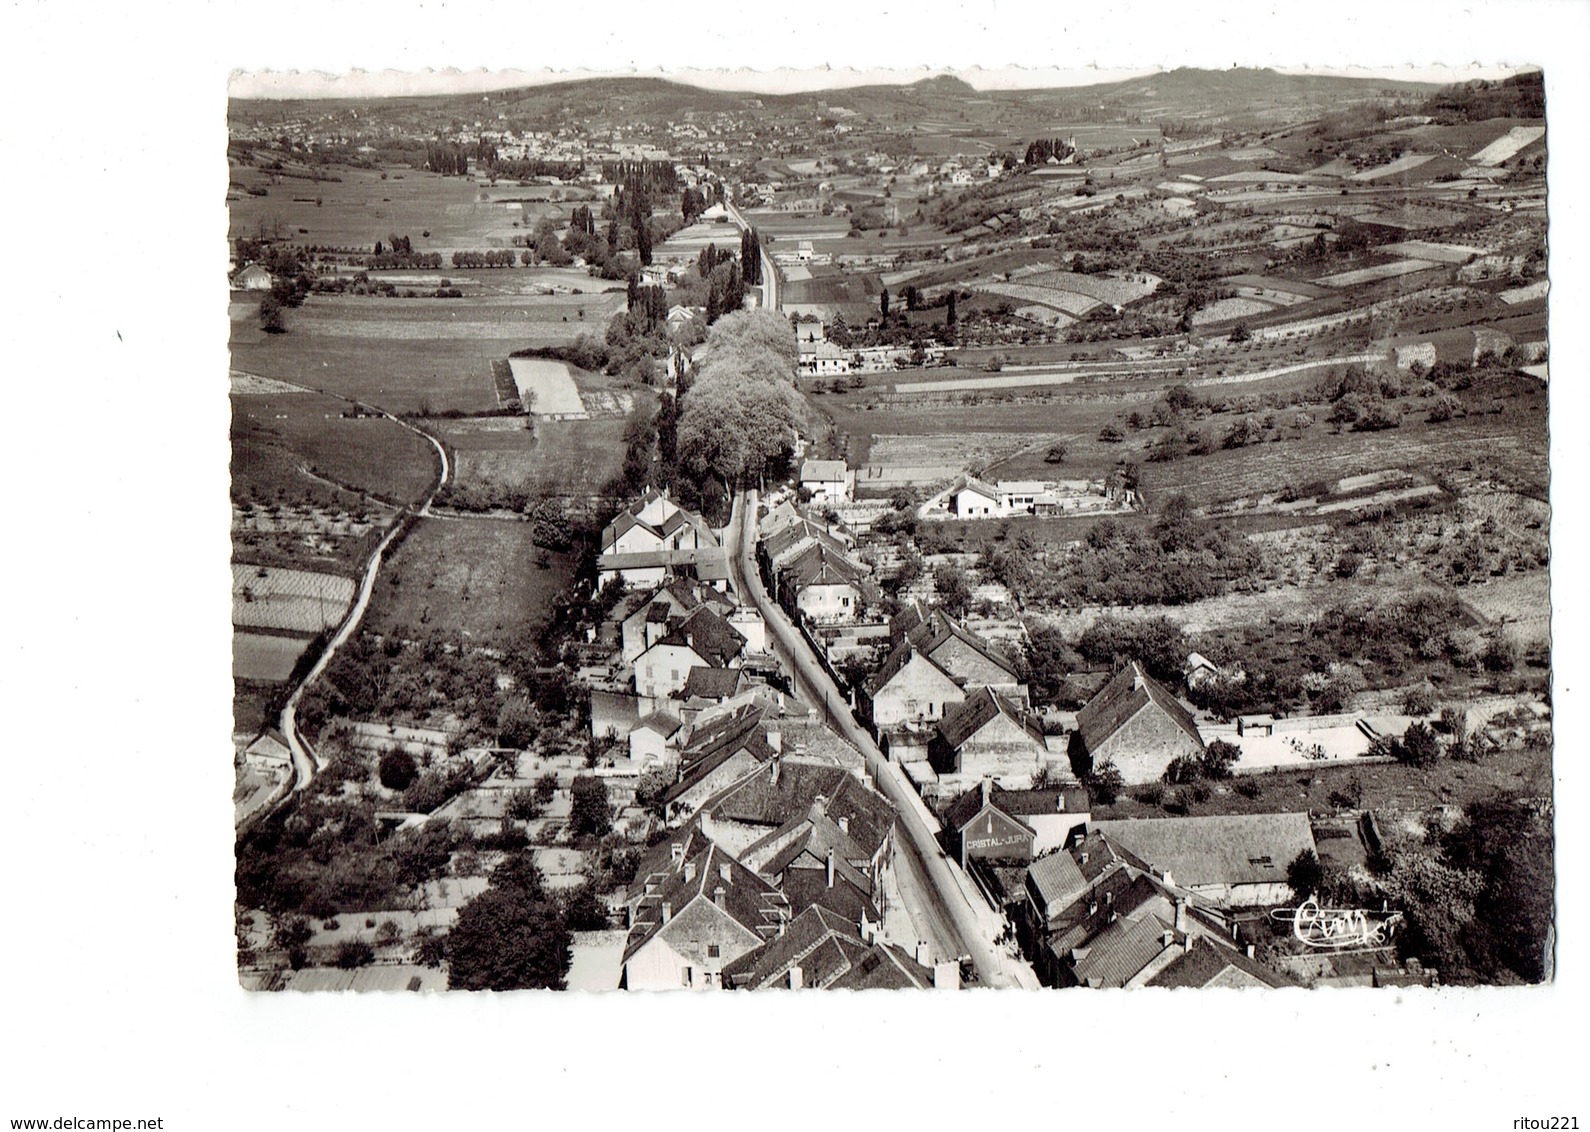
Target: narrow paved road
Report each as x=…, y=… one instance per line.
x=940, y=906
x=770, y=282
x=304, y=761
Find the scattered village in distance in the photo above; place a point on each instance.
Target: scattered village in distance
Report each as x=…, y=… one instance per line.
x=895, y=537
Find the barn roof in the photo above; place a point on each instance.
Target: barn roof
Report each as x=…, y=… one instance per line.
x=1217, y=849
x=1129, y=691
x=980, y=708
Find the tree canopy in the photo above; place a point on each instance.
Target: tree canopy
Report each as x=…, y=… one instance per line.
x=742, y=411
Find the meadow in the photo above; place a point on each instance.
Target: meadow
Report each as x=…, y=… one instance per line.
x=413, y=355
x=363, y=207
x=475, y=580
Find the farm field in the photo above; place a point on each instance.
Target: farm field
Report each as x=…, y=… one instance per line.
x=361, y=208
x=546, y=388
x=1520, y=603
x=474, y=580
x=265, y=658
x=294, y=601
x=406, y=355
x=572, y=457
x=1371, y=274
x=370, y=455
x=1509, y=447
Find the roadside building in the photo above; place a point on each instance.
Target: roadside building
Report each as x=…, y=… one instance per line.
x=988, y=736
x=1135, y=723
x=1227, y=860
x=254, y=277
x=704, y=915
x=821, y=950
x=988, y=821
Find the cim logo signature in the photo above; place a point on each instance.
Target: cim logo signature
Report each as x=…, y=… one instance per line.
x=1340, y=929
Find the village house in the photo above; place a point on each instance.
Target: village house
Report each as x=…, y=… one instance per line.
x=1134, y=723
x=651, y=735
x=932, y=663
x=828, y=481
x=821, y=359
x=821, y=950
x=1091, y=918
x=1227, y=860
x=704, y=915
x=701, y=639
x=254, y=277
x=988, y=821
x=714, y=756
x=824, y=586
x=971, y=498
x=988, y=736
x=646, y=569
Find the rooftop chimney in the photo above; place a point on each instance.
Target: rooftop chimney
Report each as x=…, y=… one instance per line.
x=795, y=977
x=923, y=956
x=690, y=871
x=1167, y=937
x=726, y=873
x=820, y=806
x=717, y=896
x=830, y=866
x=667, y=911
x=775, y=762
x=988, y=790
x=1181, y=916
x=844, y=823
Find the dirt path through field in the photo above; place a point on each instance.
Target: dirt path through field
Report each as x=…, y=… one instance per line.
x=304, y=760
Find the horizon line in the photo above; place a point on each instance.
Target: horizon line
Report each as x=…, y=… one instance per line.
x=270, y=85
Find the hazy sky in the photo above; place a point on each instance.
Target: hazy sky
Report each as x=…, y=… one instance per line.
x=375, y=84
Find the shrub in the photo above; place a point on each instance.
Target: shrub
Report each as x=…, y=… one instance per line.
x=353, y=953
x=1419, y=699
x=1248, y=788
x=398, y=770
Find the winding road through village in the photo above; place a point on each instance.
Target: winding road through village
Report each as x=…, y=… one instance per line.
x=947, y=912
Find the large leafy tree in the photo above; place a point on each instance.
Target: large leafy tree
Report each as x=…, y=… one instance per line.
x=742, y=410
x=510, y=937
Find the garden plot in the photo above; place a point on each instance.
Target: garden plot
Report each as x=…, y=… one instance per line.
x=1270, y=296
x=1391, y=169
x=246, y=384
x=296, y=601
x=1508, y=144
x=1117, y=290
x=1224, y=309
x=1525, y=294
x=1520, y=604
x=263, y=658
x=546, y=387
x=1067, y=301
x=1431, y=252
x=1046, y=315
x=1372, y=274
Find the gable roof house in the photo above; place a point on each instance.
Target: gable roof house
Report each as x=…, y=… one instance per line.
x=1228, y=860
x=970, y=660
x=715, y=756
x=1135, y=723
x=649, y=738
x=702, y=917
x=971, y=498
x=783, y=790
x=254, y=277
x=935, y=661
x=701, y=639
x=810, y=860
x=652, y=618
x=821, y=950
x=990, y=822
x=823, y=585
x=829, y=481
x=988, y=736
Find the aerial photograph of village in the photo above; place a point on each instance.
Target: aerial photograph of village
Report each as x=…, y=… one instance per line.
x=893, y=536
